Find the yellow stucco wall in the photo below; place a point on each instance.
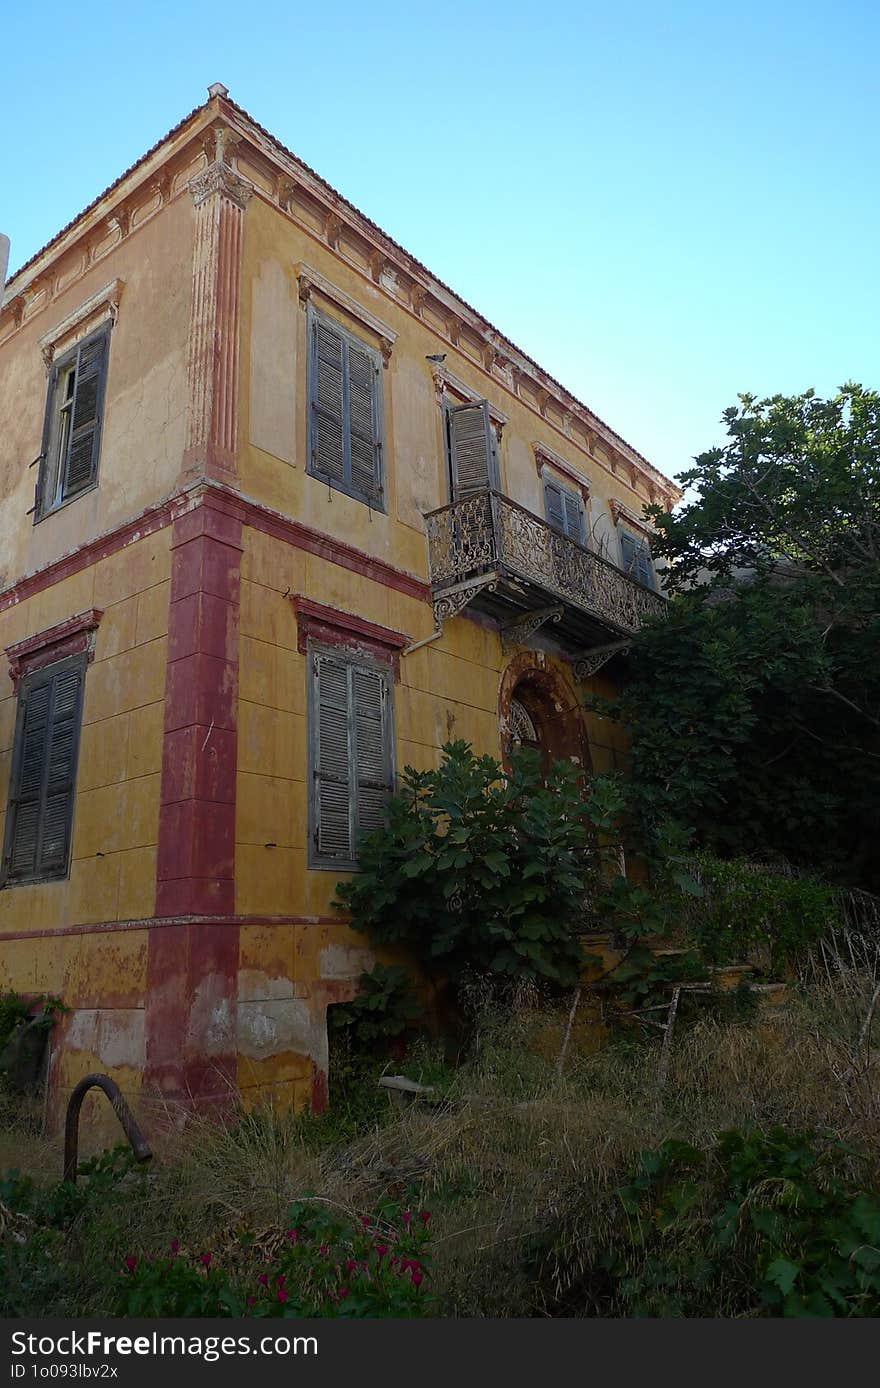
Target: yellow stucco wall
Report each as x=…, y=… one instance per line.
x=145, y=405
x=100, y=975
x=273, y=407
x=446, y=690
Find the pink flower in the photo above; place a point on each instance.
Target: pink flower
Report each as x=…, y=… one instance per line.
x=263, y=1279
x=324, y=1250
x=365, y=1221
x=350, y=1265
x=252, y=1301
x=416, y=1277
x=282, y=1295
x=292, y=1235
x=175, y=1245
x=206, y=1259
x=343, y=1291
x=280, y=1280
x=407, y=1217
x=425, y=1216
x=131, y=1262
x=381, y=1250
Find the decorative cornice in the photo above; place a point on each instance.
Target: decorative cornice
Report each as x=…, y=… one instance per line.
x=310, y=281
x=333, y=626
x=70, y=637
x=620, y=511
x=546, y=456
x=445, y=382
x=220, y=178
x=405, y=279
x=104, y=301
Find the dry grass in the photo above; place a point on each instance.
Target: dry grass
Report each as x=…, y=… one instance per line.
x=515, y=1145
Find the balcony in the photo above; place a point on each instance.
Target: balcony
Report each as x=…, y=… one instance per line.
x=490, y=553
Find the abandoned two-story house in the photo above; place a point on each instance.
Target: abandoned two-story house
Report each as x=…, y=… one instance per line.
x=279, y=515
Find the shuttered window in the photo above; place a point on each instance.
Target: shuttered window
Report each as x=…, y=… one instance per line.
x=345, y=411
x=471, y=448
x=352, y=757
x=42, y=784
x=565, y=510
x=635, y=558
x=72, y=431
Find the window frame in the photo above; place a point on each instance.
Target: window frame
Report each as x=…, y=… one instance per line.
x=52, y=465
x=349, y=338
x=29, y=680
x=353, y=659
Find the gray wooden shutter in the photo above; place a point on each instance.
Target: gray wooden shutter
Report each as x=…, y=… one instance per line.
x=334, y=831
x=26, y=788
x=327, y=431
x=564, y=510
x=471, y=448
x=554, y=506
x=574, y=515
x=80, y=467
x=644, y=568
x=44, y=773
x=364, y=447
x=627, y=551
x=52, y=404
x=636, y=559
x=62, y=746
x=372, y=760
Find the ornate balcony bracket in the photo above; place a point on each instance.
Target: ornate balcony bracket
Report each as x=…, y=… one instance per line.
x=518, y=633
x=455, y=600
x=590, y=662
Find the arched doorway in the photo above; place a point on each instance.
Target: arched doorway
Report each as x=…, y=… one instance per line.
x=538, y=707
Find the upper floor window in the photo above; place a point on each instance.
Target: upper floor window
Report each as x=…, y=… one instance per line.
x=345, y=411
x=351, y=753
x=565, y=510
x=72, y=429
x=635, y=558
x=42, y=782
x=471, y=447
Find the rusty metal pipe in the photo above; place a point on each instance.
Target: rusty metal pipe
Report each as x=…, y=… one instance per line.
x=139, y=1145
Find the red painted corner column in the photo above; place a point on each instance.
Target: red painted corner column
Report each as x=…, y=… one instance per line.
x=195, y=874
x=192, y=966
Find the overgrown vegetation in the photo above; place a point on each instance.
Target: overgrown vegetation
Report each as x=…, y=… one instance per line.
x=478, y=870
x=754, y=709
x=548, y=1193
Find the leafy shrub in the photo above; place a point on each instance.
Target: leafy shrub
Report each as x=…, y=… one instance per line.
x=765, y=1223
x=382, y=1011
x=478, y=869
x=749, y=910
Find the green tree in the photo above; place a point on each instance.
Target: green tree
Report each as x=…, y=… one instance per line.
x=755, y=707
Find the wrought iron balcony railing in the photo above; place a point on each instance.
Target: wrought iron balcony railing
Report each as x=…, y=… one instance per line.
x=486, y=542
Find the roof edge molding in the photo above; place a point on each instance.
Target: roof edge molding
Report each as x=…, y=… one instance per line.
x=221, y=122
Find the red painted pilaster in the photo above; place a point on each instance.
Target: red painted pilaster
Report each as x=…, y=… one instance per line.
x=192, y=968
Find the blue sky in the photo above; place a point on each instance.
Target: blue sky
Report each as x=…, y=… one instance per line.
x=664, y=205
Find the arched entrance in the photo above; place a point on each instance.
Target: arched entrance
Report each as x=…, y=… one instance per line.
x=538, y=707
